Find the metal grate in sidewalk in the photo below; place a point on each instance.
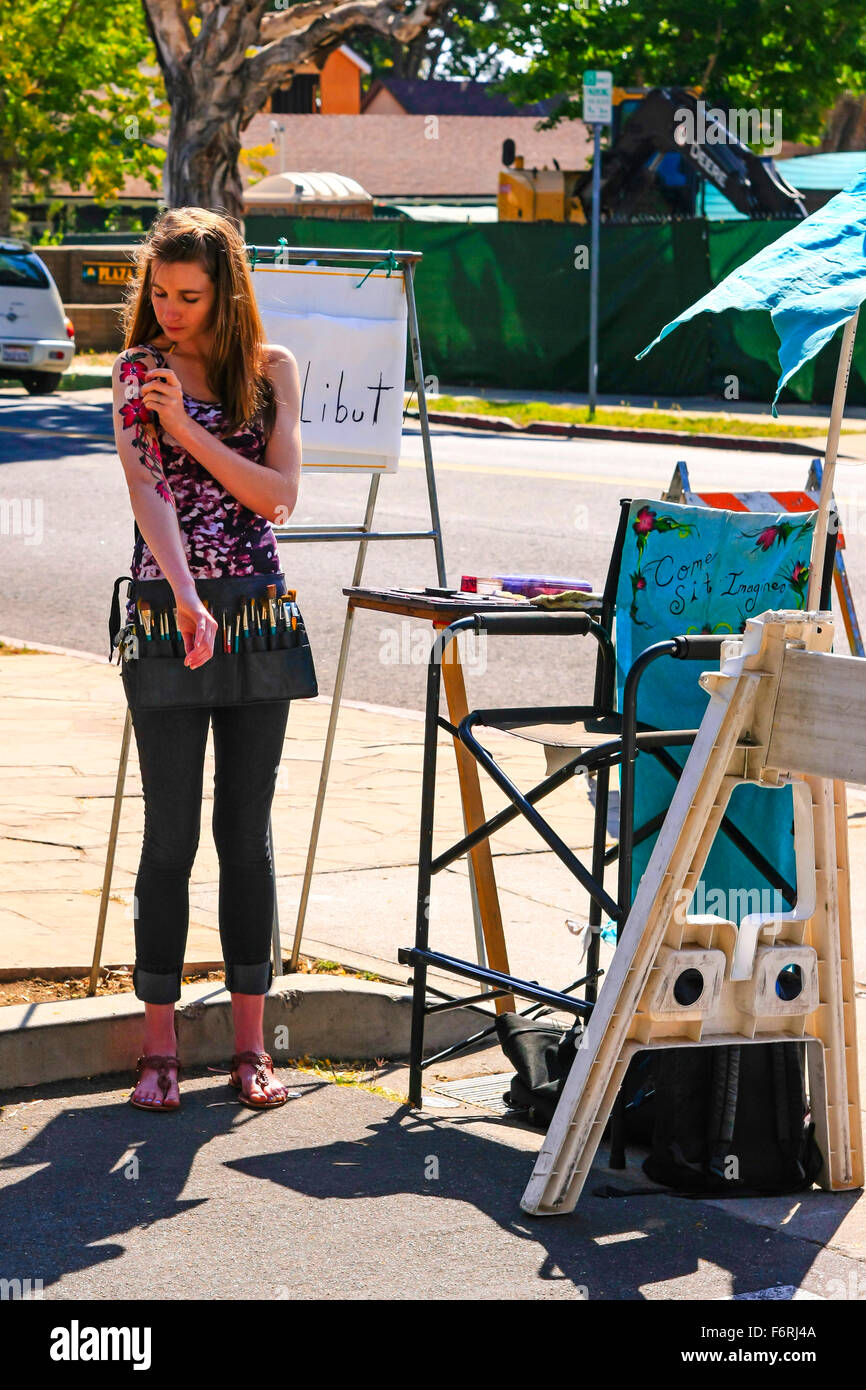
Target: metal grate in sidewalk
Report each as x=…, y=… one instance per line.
x=484, y=1091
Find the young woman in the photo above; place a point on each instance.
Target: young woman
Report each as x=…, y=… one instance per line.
x=222, y=464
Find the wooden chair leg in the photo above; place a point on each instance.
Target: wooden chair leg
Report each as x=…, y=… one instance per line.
x=473, y=805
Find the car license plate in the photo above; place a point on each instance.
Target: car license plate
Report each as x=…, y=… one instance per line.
x=16, y=354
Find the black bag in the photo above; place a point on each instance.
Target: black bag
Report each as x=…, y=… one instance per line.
x=732, y=1120
x=270, y=659
x=721, y=1120
x=543, y=1058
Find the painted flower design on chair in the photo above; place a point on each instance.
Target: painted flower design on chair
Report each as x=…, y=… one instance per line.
x=779, y=533
x=707, y=631
x=646, y=523
x=798, y=578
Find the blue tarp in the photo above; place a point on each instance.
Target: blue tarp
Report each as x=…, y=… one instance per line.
x=811, y=280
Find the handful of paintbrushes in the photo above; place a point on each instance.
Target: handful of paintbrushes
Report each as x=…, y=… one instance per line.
x=254, y=624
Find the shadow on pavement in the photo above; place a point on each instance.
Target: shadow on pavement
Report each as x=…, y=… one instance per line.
x=71, y=1210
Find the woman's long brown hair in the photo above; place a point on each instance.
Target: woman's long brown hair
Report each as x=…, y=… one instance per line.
x=236, y=371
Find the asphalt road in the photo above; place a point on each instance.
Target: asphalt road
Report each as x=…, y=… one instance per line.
x=345, y=1194
x=530, y=505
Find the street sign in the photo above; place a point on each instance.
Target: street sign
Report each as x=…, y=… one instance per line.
x=598, y=97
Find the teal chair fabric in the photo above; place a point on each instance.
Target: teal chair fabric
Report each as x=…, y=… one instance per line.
x=688, y=570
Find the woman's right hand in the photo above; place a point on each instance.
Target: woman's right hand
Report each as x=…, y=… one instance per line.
x=197, y=627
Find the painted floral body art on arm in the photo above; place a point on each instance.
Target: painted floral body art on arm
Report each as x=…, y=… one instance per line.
x=134, y=416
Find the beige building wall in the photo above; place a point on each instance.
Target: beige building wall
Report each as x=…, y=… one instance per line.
x=420, y=156
x=384, y=103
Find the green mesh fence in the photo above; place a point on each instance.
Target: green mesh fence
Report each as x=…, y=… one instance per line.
x=505, y=304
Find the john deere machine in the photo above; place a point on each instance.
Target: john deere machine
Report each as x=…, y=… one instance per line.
x=664, y=143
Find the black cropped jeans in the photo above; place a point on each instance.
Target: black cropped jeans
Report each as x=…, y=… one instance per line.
x=248, y=742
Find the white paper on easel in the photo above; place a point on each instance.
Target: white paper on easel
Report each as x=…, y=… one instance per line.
x=350, y=346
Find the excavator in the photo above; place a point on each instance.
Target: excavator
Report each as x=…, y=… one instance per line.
x=641, y=178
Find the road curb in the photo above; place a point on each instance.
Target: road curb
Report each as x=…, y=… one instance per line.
x=503, y=424
x=85, y=381
x=305, y=1015
x=70, y=381
x=51, y=651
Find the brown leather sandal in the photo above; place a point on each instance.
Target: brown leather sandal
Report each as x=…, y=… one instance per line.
x=259, y=1060
x=163, y=1081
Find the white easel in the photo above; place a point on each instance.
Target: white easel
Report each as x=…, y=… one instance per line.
x=364, y=532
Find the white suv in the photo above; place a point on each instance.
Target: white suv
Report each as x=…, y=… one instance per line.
x=37, y=339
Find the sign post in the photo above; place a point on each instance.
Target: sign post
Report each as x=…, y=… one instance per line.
x=597, y=111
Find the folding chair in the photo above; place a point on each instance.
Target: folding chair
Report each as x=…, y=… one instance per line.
x=592, y=738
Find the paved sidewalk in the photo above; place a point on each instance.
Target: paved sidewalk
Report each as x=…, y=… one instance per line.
x=852, y=445
x=340, y=1178
x=791, y=412
x=61, y=723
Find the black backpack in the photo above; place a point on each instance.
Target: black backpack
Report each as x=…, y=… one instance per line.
x=732, y=1120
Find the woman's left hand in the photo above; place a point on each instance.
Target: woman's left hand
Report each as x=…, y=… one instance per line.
x=161, y=391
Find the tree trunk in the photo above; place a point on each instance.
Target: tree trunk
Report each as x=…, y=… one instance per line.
x=415, y=52
x=201, y=167
x=6, y=171
x=217, y=78
x=846, y=126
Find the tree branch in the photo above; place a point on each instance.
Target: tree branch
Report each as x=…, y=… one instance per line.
x=170, y=32
x=64, y=21
x=713, y=56
x=227, y=31
x=276, y=26
x=276, y=62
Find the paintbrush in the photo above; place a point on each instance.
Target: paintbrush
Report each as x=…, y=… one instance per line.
x=145, y=615
x=272, y=616
x=286, y=603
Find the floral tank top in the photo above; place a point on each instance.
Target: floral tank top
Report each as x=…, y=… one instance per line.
x=220, y=535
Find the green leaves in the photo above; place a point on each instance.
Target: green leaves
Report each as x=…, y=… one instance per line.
x=79, y=104
x=796, y=56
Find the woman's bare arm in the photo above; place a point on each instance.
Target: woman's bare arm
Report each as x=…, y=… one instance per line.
x=270, y=488
x=149, y=492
